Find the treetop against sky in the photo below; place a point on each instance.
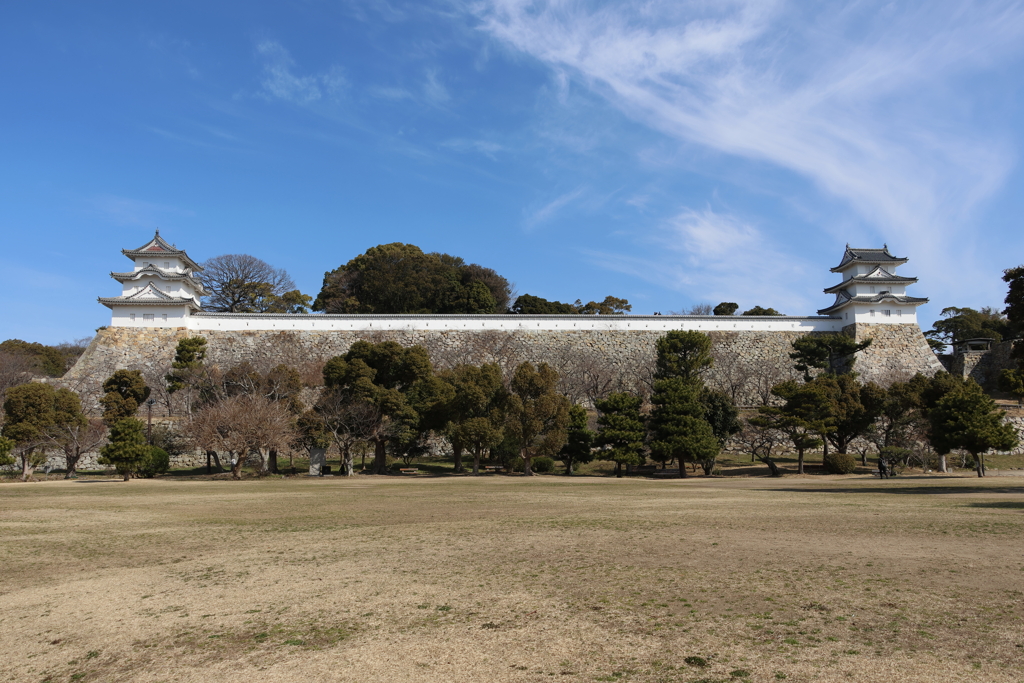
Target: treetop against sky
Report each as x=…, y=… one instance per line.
x=670, y=152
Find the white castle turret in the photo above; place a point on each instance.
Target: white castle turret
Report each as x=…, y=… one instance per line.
x=871, y=291
x=161, y=291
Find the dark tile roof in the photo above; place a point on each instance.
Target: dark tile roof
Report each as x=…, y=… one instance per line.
x=852, y=255
x=158, y=246
x=843, y=299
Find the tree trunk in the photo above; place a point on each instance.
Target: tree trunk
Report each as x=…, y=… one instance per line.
x=347, y=466
x=127, y=475
x=209, y=463
x=864, y=457
x=476, y=461
x=380, y=457
x=527, y=464
x=942, y=463
x=682, y=468
x=708, y=466
x=71, y=465
x=618, y=470
x=272, y=463
x=27, y=468
x=457, y=453
x=979, y=461
x=568, y=468
x=800, y=462
x=264, y=461
x=772, y=467
x=236, y=466
x=216, y=460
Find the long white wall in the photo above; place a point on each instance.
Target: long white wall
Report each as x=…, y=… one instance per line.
x=369, y=323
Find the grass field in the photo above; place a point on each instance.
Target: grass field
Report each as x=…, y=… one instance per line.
x=514, y=579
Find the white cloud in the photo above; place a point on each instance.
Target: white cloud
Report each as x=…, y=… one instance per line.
x=551, y=208
x=719, y=255
x=390, y=93
x=434, y=89
x=486, y=147
x=136, y=212
x=870, y=101
x=280, y=82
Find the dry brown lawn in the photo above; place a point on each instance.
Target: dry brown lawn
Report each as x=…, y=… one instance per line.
x=513, y=579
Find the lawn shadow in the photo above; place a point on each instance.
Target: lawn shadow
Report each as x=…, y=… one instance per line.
x=897, y=488
x=998, y=505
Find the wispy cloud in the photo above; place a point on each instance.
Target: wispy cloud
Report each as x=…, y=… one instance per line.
x=279, y=80
x=434, y=89
x=545, y=212
x=488, y=148
x=866, y=101
x=135, y=212
x=718, y=255
x=390, y=93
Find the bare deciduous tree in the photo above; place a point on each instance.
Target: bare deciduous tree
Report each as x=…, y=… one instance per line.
x=766, y=374
x=761, y=440
x=240, y=425
x=75, y=440
x=240, y=283
x=15, y=369
x=732, y=373
x=349, y=422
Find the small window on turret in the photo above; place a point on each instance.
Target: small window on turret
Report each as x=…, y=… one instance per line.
x=887, y=313
x=167, y=264
x=147, y=316
x=872, y=313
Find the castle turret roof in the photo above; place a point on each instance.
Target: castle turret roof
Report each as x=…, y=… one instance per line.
x=844, y=299
x=878, y=276
x=154, y=271
x=150, y=296
x=879, y=256
x=159, y=247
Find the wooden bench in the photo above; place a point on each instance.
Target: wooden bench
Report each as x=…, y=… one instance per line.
x=409, y=470
x=493, y=468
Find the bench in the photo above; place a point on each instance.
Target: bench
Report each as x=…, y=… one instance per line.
x=493, y=468
x=409, y=470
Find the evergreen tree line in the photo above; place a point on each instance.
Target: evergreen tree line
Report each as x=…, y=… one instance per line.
x=389, y=400
x=833, y=410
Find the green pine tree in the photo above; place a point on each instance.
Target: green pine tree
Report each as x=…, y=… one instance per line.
x=620, y=428
x=127, y=449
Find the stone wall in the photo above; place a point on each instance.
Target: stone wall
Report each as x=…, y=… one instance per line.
x=984, y=367
x=591, y=362
x=896, y=353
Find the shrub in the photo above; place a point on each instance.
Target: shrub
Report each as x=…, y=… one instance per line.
x=543, y=464
x=839, y=463
x=696, y=661
x=156, y=462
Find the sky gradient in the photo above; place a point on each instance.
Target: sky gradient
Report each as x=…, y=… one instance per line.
x=671, y=153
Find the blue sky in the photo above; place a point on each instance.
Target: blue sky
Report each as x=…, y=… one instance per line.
x=668, y=152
